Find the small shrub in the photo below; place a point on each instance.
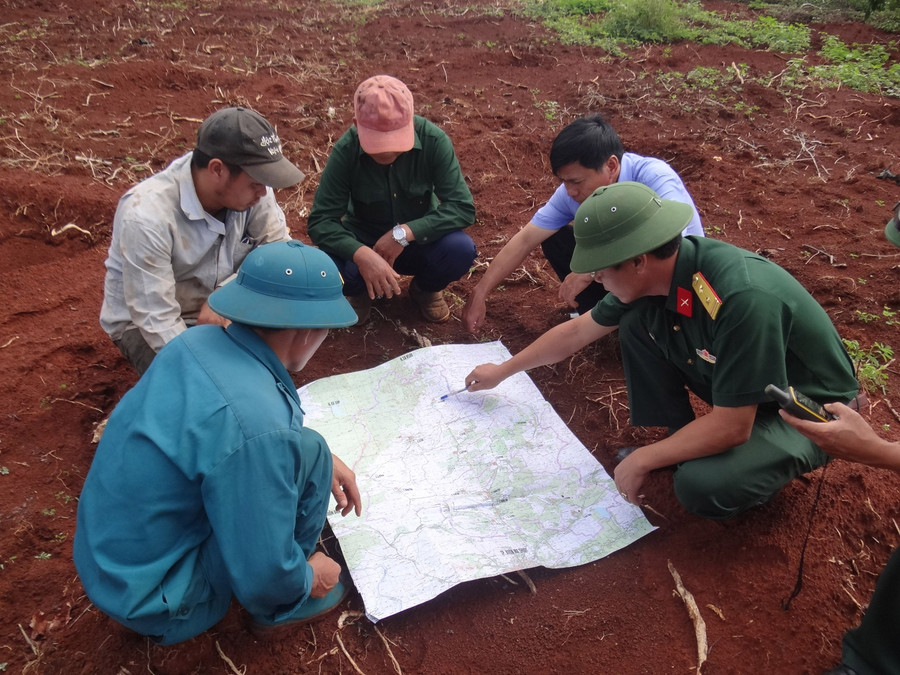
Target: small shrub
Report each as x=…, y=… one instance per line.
x=871, y=364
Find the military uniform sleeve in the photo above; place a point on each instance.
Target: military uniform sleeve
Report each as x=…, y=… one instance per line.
x=749, y=347
x=608, y=312
x=456, y=208
x=332, y=199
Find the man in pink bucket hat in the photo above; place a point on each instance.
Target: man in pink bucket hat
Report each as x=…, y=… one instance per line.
x=392, y=202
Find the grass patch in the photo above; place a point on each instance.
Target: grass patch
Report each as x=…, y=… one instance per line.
x=614, y=25
x=871, y=364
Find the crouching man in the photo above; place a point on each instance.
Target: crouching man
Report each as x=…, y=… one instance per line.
x=206, y=485
x=695, y=314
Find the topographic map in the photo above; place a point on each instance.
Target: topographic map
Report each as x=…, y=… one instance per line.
x=472, y=486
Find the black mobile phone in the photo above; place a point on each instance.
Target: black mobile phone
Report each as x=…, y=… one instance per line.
x=799, y=405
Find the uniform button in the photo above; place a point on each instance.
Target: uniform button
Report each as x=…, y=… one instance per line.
x=676, y=328
x=183, y=611
x=690, y=362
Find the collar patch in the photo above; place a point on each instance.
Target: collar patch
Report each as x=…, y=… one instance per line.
x=684, y=302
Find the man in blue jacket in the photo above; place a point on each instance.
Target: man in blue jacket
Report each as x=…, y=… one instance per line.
x=206, y=485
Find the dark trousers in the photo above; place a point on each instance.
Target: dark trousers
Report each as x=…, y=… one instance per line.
x=558, y=250
x=433, y=266
x=135, y=350
x=872, y=647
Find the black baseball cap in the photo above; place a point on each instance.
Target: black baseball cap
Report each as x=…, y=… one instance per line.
x=243, y=137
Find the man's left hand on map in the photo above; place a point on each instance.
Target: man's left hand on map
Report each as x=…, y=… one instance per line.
x=629, y=477
x=343, y=487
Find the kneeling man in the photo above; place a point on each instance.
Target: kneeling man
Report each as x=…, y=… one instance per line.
x=206, y=485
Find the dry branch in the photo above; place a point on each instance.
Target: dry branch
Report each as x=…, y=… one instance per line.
x=69, y=226
x=388, y=647
x=528, y=581
x=694, y=613
x=229, y=662
x=347, y=654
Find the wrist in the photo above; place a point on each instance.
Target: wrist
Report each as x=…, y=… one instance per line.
x=479, y=293
x=400, y=234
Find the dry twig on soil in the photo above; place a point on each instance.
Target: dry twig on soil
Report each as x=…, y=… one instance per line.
x=528, y=581
x=229, y=662
x=388, y=647
x=347, y=654
x=694, y=613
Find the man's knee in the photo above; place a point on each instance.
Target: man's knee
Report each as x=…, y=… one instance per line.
x=705, y=494
x=459, y=251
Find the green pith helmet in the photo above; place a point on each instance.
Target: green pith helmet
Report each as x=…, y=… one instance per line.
x=285, y=284
x=622, y=221
x=892, y=229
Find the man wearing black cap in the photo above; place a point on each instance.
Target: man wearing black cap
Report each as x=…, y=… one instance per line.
x=695, y=314
x=183, y=232
x=206, y=484
x=872, y=647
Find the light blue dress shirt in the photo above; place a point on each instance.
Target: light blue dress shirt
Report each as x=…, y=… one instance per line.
x=654, y=173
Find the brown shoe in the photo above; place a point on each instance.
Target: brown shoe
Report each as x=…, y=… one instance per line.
x=432, y=305
x=362, y=305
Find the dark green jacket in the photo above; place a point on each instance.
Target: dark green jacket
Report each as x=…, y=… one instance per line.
x=768, y=330
x=358, y=200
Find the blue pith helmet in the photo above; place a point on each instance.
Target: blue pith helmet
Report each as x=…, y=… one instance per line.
x=285, y=284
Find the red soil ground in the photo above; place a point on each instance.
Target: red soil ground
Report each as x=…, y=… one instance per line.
x=97, y=95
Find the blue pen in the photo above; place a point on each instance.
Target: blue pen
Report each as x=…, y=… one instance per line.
x=458, y=391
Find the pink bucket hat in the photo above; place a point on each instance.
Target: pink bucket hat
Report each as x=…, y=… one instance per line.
x=383, y=107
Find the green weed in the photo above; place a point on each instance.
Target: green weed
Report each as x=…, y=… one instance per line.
x=609, y=24
x=860, y=67
x=871, y=364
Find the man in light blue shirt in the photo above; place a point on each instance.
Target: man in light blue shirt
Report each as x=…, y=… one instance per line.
x=587, y=154
x=206, y=485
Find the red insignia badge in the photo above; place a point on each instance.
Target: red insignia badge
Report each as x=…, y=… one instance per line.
x=684, y=302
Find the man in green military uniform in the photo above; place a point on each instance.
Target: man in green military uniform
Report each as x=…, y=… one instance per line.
x=703, y=315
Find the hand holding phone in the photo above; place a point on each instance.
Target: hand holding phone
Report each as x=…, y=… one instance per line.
x=799, y=405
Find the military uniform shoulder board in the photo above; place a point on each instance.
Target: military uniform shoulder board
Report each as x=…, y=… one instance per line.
x=706, y=294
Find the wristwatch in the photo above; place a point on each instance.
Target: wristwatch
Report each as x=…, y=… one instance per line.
x=399, y=235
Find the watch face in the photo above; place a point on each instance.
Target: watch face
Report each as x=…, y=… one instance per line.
x=399, y=233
